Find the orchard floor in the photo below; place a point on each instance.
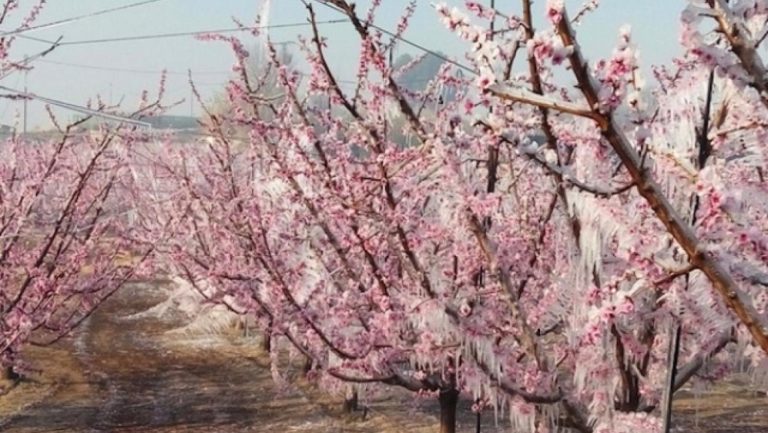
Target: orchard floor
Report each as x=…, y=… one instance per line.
x=120, y=374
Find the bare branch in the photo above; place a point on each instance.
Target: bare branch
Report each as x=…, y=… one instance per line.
x=527, y=97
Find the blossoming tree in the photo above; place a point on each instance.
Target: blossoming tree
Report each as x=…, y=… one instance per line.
x=66, y=244
x=534, y=247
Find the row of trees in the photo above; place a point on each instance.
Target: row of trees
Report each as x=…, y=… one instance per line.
x=534, y=247
x=68, y=211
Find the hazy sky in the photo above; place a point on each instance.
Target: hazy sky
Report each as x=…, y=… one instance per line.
x=124, y=69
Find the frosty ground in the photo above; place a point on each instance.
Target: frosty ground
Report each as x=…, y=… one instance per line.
x=127, y=370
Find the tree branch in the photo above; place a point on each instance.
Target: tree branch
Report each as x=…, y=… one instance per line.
x=676, y=226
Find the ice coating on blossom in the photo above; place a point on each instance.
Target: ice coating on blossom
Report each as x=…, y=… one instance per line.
x=67, y=243
x=492, y=244
x=555, y=10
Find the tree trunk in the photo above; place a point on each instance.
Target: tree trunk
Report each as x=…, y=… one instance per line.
x=7, y=374
x=266, y=341
x=350, y=400
x=449, y=398
x=246, y=328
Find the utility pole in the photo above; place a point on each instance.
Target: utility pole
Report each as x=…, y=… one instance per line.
x=26, y=98
x=493, y=20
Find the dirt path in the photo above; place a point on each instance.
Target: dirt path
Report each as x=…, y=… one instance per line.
x=133, y=384
x=731, y=407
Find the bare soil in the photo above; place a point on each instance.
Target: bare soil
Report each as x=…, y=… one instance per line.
x=731, y=407
x=124, y=375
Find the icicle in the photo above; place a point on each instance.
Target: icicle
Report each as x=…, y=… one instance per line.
x=522, y=416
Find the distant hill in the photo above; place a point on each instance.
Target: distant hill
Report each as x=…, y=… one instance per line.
x=419, y=75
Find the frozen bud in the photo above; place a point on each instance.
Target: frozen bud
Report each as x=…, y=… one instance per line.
x=555, y=9
x=486, y=78
x=561, y=53
x=625, y=32
x=495, y=122
x=550, y=157
x=642, y=134
x=465, y=309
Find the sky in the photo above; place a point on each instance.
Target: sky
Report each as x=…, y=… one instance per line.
x=120, y=71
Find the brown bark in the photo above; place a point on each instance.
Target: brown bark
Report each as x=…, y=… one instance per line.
x=744, y=47
x=307, y=365
x=266, y=341
x=7, y=374
x=449, y=399
x=721, y=279
x=350, y=401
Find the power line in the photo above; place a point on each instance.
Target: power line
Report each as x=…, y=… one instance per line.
x=41, y=40
x=77, y=18
x=76, y=108
x=129, y=70
x=23, y=65
x=160, y=71
x=418, y=80
x=193, y=33
x=228, y=30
